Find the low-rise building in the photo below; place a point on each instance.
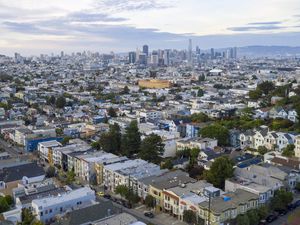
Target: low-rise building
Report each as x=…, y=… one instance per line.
x=46, y=209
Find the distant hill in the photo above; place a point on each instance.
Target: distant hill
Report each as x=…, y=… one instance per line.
x=259, y=51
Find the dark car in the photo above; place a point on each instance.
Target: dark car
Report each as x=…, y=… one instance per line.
x=291, y=207
x=119, y=202
x=282, y=212
x=107, y=196
x=271, y=218
x=149, y=214
x=127, y=205
x=297, y=204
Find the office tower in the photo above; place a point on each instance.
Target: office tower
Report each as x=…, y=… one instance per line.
x=154, y=58
x=143, y=59
x=231, y=53
x=62, y=54
x=198, y=54
x=166, y=57
x=198, y=50
x=235, y=52
x=137, y=55
x=132, y=57
x=212, y=53
x=18, y=58
x=146, y=50
x=190, y=52
x=227, y=55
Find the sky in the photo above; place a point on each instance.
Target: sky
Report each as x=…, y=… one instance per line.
x=45, y=26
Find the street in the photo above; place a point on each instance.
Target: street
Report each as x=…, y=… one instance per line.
x=12, y=150
x=159, y=219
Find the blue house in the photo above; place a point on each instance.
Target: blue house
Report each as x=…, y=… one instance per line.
x=31, y=144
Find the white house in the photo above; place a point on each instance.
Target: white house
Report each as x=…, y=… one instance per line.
x=46, y=209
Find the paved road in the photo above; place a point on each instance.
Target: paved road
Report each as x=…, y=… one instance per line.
x=162, y=219
x=12, y=150
x=282, y=220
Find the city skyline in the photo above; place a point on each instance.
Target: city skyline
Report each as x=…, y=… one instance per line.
x=33, y=27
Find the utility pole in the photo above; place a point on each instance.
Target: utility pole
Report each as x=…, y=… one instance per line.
x=209, y=205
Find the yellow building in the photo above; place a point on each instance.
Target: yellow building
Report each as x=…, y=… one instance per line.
x=297, y=146
x=158, y=195
x=166, y=181
x=155, y=84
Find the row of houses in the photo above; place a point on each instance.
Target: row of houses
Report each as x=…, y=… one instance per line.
x=275, y=113
x=262, y=136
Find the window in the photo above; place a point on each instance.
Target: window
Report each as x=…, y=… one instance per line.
x=41, y=213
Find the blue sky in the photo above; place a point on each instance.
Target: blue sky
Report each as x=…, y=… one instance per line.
x=35, y=26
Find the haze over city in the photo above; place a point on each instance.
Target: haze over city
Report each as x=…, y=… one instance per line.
x=33, y=26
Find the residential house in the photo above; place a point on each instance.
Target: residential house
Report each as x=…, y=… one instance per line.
x=48, y=208
x=226, y=207
x=11, y=177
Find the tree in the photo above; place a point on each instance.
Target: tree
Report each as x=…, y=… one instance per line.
x=253, y=217
x=247, y=113
x=51, y=100
x=66, y=140
x=111, y=141
x=60, y=102
x=71, y=176
x=9, y=200
x=151, y=148
x=132, y=197
x=167, y=164
x=131, y=140
x=50, y=171
x=112, y=112
x=220, y=170
x=122, y=190
x=255, y=94
x=266, y=87
x=59, y=131
x=199, y=117
x=242, y=219
x=218, y=132
x=96, y=145
x=200, y=92
x=126, y=90
x=4, y=206
x=279, y=124
x=288, y=151
x=281, y=199
x=28, y=218
x=150, y=201
x=201, y=78
x=262, y=212
x=190, y=217
x=262, y=150
x=194, y=152
x=196, y=171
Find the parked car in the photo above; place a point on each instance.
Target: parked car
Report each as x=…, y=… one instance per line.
x=297, y=203
x=271, y=218
x=127, y=204
x=281, y=212
x=119, y=202
x=291, y=207
x=149, y=214
x=107, y=196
